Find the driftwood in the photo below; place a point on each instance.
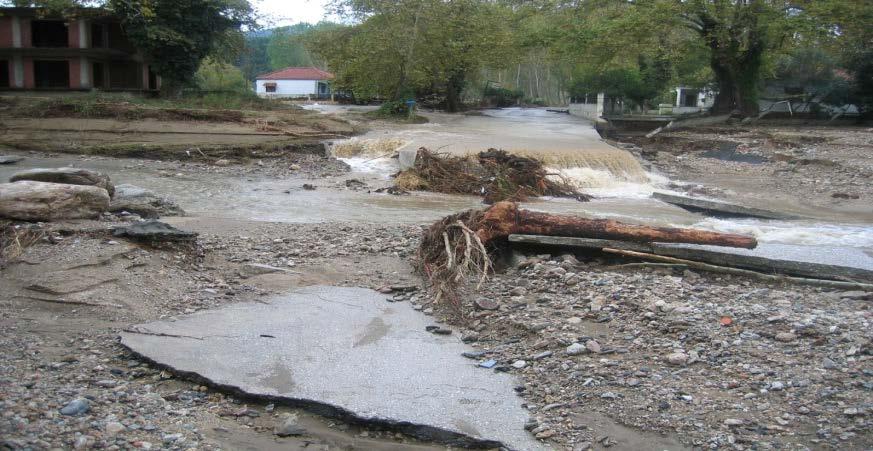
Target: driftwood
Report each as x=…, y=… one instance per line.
x=743, y=272
x=493, y=174
x=457, y=246
x=505, y=218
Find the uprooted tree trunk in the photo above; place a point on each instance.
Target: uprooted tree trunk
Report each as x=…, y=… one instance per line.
x=457, y=246
x=505, y=218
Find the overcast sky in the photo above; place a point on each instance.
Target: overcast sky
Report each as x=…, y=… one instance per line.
x=288, y=12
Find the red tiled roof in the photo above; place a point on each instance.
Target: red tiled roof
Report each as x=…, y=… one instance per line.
x=296, y=73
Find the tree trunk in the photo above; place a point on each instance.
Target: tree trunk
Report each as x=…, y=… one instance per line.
x=736, y=58
x=407, y=60
x=505, y=218
x=737, y=89
x=454, y=88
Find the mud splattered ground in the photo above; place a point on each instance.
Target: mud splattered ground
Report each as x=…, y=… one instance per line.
x=823, y=172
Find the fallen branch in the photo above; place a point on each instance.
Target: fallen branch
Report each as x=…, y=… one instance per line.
x=743, y=272
x=647, y=265
x=66, y=301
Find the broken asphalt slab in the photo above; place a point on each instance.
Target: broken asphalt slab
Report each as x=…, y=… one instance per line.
x=346, y=353
x=817, y=262
x=718, y=208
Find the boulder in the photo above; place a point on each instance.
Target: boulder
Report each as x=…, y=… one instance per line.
x=146, y=203
x=41, y=201
x=70, y=176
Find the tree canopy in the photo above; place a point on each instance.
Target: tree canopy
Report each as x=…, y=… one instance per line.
x=546, y=50
x=177, y=35
x=400, y=49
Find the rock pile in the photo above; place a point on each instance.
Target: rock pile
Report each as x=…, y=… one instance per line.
x=74, y=193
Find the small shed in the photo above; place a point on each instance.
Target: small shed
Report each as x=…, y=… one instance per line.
x=294, y=82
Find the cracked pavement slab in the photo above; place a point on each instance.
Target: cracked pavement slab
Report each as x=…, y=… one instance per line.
x=347, y=353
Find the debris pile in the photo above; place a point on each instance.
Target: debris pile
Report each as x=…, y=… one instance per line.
x=494, y=174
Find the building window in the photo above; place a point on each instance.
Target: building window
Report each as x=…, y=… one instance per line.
x=98, y=75
x=49, y=33
x=4, y=74
x=270, y=87
x=97, y=40
x=51, y=74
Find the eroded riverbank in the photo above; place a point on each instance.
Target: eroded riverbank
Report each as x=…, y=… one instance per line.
x=608, y=356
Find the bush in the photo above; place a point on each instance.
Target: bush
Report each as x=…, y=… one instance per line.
x=395, y=110
x=501, y=97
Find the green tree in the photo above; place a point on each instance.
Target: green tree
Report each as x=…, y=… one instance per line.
x=176, y=35
x=843, y=28
x=413, y=47
x=214, y=75
x=736, y=35
x=287, y=48
x=253, y=60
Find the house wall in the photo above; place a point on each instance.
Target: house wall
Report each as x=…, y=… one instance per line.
x=6, y=32
x=131, y=72
x=287, y=88
x=590, y=111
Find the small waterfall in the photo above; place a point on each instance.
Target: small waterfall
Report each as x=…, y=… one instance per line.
x=584, y=163
x=366, y=147
x=605, y=170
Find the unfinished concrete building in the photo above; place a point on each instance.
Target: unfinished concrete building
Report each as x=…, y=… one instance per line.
x=86, y=50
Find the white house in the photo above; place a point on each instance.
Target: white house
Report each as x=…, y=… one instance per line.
x=294, y=82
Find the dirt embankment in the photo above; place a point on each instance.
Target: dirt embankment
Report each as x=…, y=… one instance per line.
x=824, y=172
x=166, y=131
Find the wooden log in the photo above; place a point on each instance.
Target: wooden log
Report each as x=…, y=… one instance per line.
x=505, y=218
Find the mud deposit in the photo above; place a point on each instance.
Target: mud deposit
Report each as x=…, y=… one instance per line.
x=606, y=356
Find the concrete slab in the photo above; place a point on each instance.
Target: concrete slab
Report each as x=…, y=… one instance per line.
x=819, y=262
x=822, y=262
x=346, y=353
x=717, y=208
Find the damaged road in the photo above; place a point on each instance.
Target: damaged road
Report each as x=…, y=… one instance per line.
x=346, y=353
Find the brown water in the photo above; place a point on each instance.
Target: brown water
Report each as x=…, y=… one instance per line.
x=561, y=141
x=616, y=179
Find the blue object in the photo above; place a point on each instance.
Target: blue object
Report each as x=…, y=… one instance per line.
x=488, y=363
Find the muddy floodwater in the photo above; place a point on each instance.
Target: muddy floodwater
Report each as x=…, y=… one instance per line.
x=571, y=146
